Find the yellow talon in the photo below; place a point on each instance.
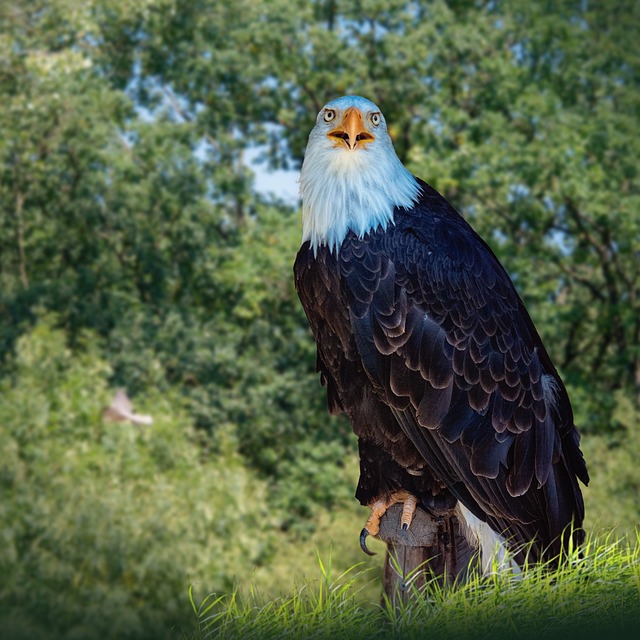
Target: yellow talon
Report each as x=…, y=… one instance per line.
x=379, y=508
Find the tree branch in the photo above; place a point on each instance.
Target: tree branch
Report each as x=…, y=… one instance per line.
x=175, y=105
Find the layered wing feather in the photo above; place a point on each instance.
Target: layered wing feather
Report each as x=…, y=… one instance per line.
x=447, y=343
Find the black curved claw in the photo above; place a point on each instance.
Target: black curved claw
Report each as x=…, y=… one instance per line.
x=405, y=528
x=363, y=542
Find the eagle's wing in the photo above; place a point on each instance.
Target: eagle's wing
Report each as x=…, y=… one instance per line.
x=448, y=344
x=320, y=291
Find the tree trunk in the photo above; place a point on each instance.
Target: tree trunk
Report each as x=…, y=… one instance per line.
x=432, y=548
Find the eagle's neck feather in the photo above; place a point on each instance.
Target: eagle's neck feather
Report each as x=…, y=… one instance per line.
x=356, y=191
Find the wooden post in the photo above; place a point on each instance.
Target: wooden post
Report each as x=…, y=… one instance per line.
x=430, y=548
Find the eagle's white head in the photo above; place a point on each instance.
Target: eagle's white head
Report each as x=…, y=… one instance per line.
x=351, y=177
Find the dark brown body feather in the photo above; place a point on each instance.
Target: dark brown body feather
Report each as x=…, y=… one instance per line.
x=424, y=342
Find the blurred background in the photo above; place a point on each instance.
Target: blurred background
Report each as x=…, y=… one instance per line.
x=148, y=226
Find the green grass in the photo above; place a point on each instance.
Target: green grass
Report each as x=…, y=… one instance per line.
x=593, y=596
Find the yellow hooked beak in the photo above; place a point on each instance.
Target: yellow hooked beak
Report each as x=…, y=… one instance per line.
x=351, y=132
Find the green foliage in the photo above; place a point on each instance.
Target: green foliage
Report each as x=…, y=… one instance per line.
x=503, y=107
x=612, y=495
x=105, y=524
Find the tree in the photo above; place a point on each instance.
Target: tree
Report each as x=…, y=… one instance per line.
x=504, y=107
x=522, y=116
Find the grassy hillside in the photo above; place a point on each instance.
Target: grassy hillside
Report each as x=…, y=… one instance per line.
x=597, y=595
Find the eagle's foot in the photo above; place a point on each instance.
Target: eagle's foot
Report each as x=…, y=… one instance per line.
x=379, y=508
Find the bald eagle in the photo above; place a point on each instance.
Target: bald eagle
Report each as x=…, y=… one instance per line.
x=423, y=341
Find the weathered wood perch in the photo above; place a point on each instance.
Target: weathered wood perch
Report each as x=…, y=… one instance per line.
x=430, y=548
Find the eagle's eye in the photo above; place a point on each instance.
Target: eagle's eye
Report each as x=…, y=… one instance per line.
x=375, y=119
x=329, y=115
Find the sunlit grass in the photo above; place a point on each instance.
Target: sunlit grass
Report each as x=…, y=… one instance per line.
x=596, y=594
